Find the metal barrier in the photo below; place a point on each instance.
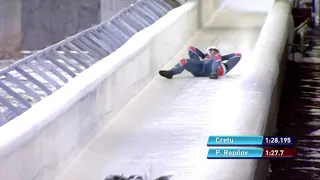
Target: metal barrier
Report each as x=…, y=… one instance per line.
x=301, y=30
x=33, y=78
x=316, y=7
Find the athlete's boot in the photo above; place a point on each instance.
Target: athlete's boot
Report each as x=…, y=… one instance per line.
x=214, y=75
x=167, y=74
x=164, y=178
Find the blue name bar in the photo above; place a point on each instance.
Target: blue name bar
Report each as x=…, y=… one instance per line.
x=235, y=140
x=235, y=153
x=251, y=141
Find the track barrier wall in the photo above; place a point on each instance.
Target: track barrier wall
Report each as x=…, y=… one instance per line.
x=263, y=81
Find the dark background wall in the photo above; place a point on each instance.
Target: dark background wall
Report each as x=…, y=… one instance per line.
x=45, y=22
x=111, y=7
x=36, y=24
x=10, y=28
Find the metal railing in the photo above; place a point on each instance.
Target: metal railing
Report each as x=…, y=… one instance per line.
x=316, y=7
x=33, y=78
x=301, y=30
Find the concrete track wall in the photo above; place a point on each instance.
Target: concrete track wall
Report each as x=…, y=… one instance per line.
x=40, y=143
x=263, y=81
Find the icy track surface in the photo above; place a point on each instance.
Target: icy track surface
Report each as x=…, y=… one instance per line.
x=166, y=127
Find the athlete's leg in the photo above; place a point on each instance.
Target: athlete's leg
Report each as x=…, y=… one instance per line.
x=227, y=56
x=201, y=54
x=192, y=53
x=191, y=65
x=232, y=61
x=215, y=66
x=195, y=67
x=195, y=53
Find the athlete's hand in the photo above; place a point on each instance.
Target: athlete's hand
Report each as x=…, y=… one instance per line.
x=206, y=58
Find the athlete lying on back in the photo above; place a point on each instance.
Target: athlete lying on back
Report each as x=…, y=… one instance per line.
x=209, y=64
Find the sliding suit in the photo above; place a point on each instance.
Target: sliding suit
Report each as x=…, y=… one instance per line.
x=201, y=66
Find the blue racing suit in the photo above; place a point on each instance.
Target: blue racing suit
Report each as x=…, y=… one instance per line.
x=200, y=65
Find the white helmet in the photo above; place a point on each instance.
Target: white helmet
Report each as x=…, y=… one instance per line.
x=210, y=48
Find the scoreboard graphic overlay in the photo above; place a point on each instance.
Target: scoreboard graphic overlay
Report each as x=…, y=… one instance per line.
x=251, y=147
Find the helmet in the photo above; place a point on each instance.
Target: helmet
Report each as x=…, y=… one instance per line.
x=210, y=48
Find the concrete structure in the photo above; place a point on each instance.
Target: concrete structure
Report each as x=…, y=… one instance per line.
x=140, y=120
x=51, y=21
x=111, y=7
x=44, y=23
x=47, y=22
x=10, y=28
